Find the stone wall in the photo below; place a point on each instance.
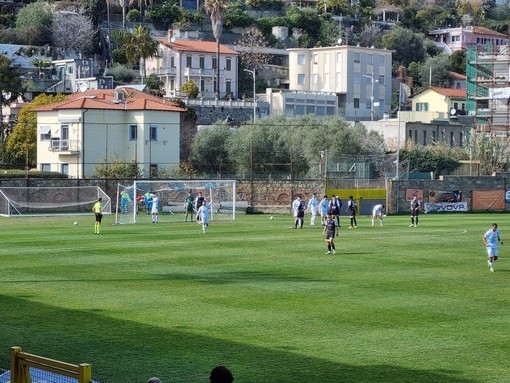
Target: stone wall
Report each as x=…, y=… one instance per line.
x=396, y=191
x=273, y=196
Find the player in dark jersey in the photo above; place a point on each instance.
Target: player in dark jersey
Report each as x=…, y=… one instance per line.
x=415, y=211
x=331, y=229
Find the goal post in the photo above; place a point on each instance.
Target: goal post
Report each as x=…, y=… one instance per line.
x=172, y=196
x=51, y=201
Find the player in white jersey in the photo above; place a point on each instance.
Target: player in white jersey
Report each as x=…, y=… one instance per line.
x=155, y=208
x=377, y=212
x=492, y=239
x=203, y=214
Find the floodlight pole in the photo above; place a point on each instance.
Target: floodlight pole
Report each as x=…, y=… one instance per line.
x=254, y=94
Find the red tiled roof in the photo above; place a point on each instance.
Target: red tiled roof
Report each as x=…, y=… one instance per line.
x=105, y=99
x=196, y=46
x=449, y=92
x=458, y=76
x=485, y=31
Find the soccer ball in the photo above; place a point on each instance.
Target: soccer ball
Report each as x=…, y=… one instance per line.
x=76, y=223
x=271, y=218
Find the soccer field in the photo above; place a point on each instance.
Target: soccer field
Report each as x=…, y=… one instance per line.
x=395, y=304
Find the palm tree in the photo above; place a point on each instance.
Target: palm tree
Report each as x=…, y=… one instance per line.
x=140, y=46
x=40, y=64
x=216, y=9
x=141, y=4
x=124, y=4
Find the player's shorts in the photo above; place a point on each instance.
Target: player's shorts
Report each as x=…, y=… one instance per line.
x=330, y=235
x=415, y=213
x=189, y=208
x=99, y=217
x=492, y=251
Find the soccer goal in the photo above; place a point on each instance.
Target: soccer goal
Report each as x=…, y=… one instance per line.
x=51, y=201
x=134, y=201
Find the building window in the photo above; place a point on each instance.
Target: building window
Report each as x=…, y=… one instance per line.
x=356, y=103
x=64, y=168
x=424, y=138
x=381, y=80
x=461, y=139
x=315, y=78
x=368, y=103
x=357, y=57
x=301, y=79
x=45, y=133
x=356, y=78
x=228, y=64
x=434, y=138
x=315, y=58
x=452, y=139
x=382, y=60
x=202, y=62
x=228, y=86
x=133, y=132
x=172, y=61
x=153, y=133
x=370, y=60
x=422, y=107
x=214, y=63
x=46, y=167
x=339, y=58
x=202, y=85
x=188, y=61
x=172, y=84
x=415, y=136
x=301, y=59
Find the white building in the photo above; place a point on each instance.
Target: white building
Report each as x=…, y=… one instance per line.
x=74, y=135
x=179, y=61
x=360, y=77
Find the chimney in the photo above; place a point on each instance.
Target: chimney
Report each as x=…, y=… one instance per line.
x=170, y=34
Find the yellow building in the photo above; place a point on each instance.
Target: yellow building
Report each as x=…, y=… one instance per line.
x=97, y=125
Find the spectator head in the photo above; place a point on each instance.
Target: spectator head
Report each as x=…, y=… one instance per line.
x=221, y=374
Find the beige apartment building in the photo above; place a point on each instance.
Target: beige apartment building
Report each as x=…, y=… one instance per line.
x=360, y=77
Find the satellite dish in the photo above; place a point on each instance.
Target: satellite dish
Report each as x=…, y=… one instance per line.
x=83, y=87
x=6, y=95
x=339, y=41
x=172, y=40
x=453, y=112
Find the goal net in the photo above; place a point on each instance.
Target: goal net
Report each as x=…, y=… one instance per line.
x=134, y=202
x=51, y=201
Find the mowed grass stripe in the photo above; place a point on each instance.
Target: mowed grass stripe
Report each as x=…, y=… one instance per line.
x=395, y=304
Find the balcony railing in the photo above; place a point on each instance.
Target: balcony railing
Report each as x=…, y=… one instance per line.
x=199, y=72
x=71, y=146
x=162, y=71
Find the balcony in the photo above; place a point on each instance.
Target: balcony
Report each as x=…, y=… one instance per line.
x=199, y=72
x=65, y=146
x=162, y=71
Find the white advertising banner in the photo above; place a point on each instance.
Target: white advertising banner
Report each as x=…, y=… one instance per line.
x=446, y=207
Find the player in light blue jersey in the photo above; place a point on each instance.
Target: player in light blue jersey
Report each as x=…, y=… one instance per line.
x=492, y=239
x=323, y=207
x=313, y=204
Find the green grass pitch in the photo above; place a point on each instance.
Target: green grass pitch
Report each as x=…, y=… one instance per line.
x=395, y=304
